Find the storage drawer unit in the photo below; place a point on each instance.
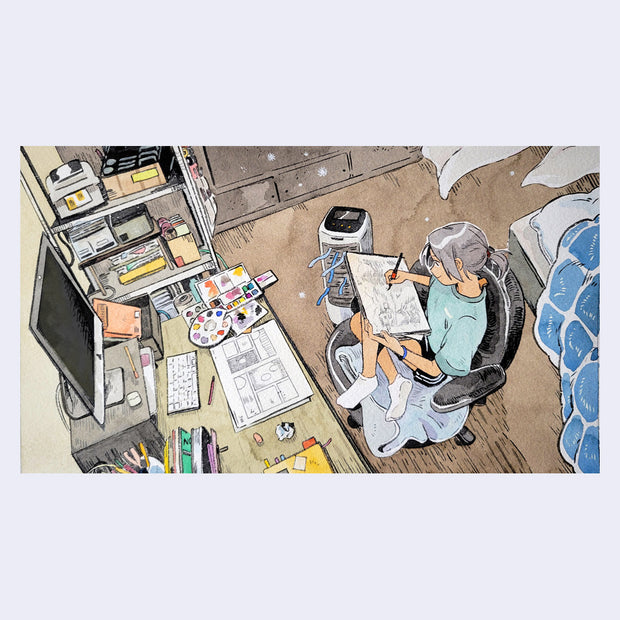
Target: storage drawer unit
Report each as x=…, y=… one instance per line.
x=313, y=177
x=249, y=198
x=249, y=182
x=228, y=165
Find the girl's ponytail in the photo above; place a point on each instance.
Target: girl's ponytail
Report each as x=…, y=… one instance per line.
x=500, y=259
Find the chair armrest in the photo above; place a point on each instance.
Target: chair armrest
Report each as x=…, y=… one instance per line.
x=341, y=337
x=466, y=390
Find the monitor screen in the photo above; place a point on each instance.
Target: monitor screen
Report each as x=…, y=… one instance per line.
x=67, y=327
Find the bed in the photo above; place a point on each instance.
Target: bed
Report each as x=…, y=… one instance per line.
x=555, y=256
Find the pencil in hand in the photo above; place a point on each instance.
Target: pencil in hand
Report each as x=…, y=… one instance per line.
x=395, y=270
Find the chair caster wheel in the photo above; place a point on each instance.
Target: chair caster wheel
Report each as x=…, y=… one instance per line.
x=352, y=422
x=464, y=437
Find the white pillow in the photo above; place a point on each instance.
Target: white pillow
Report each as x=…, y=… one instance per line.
x=439, y=155
x=557, y=216
x=454, y=162
x=563, y=165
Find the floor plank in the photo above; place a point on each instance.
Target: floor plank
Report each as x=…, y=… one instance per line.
x=518, y=429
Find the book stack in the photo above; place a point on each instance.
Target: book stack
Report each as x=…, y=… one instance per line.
x=191, y=452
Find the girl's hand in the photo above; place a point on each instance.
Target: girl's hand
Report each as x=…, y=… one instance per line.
x=389, y=341
x=369, y=333
x=401, y=276
x=383, y=338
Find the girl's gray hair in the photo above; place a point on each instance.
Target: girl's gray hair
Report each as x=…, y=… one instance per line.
x=465, y=241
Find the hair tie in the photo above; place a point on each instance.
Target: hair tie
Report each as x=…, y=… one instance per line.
x=488, y=253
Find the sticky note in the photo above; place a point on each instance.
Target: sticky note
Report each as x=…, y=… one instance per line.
x=300, y=463
x=144, y=175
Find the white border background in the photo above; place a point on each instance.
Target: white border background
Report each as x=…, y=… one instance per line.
x=322, y=72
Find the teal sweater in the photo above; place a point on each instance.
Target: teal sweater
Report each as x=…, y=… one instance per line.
x=457, y=326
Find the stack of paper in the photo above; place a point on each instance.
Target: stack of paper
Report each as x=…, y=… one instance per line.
x=260, y=375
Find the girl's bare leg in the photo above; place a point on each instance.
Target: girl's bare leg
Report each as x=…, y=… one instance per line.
x=369, y=347
x=367, y=382
x=399, y=387
x=369, y=351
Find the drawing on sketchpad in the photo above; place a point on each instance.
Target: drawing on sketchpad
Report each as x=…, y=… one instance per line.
x=396, y=310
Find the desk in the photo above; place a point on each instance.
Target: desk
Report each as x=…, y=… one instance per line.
x=124, y=426
x=312, y=419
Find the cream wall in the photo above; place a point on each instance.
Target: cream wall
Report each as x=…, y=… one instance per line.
x=45, y=442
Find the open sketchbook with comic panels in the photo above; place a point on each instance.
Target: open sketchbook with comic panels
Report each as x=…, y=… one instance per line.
x=396, y=309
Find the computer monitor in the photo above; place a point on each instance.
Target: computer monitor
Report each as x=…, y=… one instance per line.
x=65, y=324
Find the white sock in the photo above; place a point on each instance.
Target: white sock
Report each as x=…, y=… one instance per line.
x=360, y=388
x=399, y=392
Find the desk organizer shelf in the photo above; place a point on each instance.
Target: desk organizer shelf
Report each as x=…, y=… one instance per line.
x=184, y=196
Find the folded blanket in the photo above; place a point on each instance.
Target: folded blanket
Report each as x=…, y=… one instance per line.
x=419, y=422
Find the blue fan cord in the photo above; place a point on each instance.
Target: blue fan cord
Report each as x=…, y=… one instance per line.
x=318, y=303
x=318, y=258
x=335, y=264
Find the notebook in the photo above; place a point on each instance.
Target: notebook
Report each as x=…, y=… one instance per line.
x=119, y=320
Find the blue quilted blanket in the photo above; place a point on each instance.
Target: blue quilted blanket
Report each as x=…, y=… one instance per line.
x=567, y=328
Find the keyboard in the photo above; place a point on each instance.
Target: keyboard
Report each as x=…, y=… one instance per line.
x=182, y=382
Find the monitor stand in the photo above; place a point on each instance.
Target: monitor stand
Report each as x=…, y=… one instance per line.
x=114, y=386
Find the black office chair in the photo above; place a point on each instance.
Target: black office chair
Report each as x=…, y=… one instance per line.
x=506, y=314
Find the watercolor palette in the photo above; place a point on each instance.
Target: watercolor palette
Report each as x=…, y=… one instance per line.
x=239, y=295
x=246, y=316
x=222, y=283
x=190, y=313
x=209, y=328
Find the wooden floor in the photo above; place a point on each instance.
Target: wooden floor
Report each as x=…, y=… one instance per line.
x=518, y=428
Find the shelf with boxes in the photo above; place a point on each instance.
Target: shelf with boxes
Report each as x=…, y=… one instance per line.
x=148, y=267
x=127, y=176
x=158, y=242
x=144, y=224
x=114, y=206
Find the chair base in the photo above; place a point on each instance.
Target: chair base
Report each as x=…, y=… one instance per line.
x=464, y=437
x=352, y=422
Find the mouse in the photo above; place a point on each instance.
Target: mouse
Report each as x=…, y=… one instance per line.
x=134, y=399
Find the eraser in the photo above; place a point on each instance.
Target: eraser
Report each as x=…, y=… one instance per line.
x=308, y=443
x=266, y=279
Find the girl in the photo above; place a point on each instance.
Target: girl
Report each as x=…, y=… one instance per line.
x=456, y=312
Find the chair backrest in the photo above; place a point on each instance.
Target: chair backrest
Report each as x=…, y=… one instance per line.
x=505, y=316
